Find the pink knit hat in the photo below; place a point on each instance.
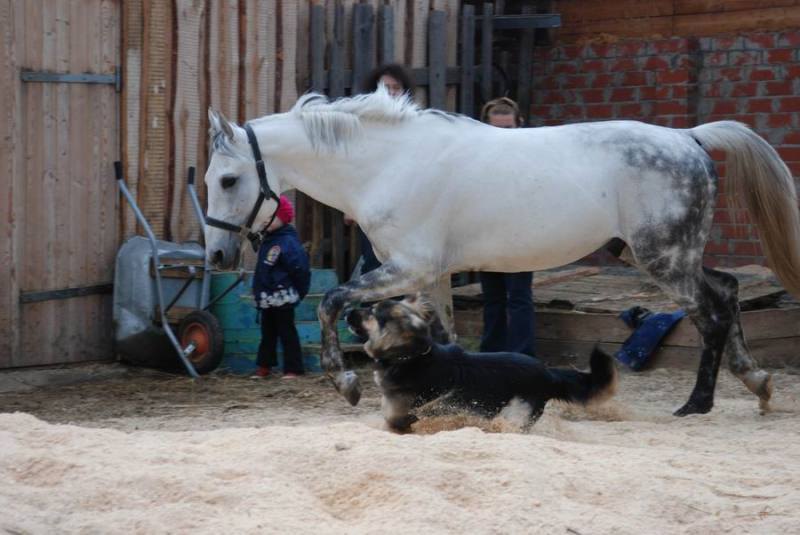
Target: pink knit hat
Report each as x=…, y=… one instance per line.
x=285, y=210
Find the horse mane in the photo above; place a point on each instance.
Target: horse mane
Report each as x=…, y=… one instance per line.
x=333, y=124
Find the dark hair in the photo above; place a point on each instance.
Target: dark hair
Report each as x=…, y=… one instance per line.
x=396, y=71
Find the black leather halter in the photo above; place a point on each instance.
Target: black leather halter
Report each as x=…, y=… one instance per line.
x=246, y=230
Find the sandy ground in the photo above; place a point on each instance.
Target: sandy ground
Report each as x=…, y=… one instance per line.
x=136, y=451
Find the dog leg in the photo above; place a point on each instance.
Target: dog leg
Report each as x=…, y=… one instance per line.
x=397, y=413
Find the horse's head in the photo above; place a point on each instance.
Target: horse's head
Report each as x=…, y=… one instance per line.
x=233, y=187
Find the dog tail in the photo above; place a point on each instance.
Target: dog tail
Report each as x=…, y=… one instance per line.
x=594, y=386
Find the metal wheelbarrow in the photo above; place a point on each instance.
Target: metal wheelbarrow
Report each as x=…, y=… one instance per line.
x=161, y=298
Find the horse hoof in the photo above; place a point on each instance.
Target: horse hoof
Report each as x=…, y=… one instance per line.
x=693, y=407
x=348, y=385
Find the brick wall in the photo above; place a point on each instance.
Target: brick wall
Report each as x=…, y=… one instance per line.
x=682, y=82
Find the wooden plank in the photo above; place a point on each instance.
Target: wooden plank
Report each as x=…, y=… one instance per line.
x=257, y=90
x=363, y=43
x=619, y=10
x=187, y=113
x=486, y=53
x=437, y=61
x=223, y=57
x=302, y=46
x=10, y=175
x=337, y=74
x=466, y=90
x=268, y=11
x=525, y=73
x=452, y=10
x=132, y=36
x=317, y=48
x=762, y=19
x=687, y=7
x=288, y=48
x=401, y=45
x=386, y=50
x=418, y=41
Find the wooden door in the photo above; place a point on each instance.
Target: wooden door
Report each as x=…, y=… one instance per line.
x=59, y=241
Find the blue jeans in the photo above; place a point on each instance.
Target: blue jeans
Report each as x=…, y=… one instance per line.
x=507, y=312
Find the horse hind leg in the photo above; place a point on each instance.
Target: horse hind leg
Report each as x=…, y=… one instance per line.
x=711, y=309
x=740, y=361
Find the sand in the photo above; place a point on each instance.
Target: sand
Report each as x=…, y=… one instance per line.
x=149, y=453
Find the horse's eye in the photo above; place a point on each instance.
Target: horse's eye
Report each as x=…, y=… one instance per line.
x=229, y=181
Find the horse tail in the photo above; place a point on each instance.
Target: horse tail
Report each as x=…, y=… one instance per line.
x=598, y=384
x=756, y=174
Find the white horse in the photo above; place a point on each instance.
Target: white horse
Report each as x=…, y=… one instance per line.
x=438, y=193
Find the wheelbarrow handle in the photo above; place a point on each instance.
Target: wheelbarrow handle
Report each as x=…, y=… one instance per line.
x=118, y=170
x=191, y=176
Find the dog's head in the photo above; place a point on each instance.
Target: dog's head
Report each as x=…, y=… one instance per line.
x=394, y=329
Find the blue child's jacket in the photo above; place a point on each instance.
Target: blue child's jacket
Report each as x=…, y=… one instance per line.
x=282, y=275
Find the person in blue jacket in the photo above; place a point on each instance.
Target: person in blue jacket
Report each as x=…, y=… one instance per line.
x=281, y=280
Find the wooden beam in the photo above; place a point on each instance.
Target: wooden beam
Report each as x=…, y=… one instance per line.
x=437, y=61
x=486, y=53
x=467, y=94
x=386, y=21
x=363, y=43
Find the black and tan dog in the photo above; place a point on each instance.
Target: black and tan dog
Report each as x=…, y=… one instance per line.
x=416, y=367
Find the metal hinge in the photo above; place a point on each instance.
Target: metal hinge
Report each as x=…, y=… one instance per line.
x=114, y=79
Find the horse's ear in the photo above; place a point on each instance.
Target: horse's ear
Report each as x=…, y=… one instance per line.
x=219, y=123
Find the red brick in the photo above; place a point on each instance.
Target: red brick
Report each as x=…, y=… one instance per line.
x=713, y=247
x=745, y=89
x=761, y=74
x=624, y=64
x=790, y=39
x=672, y=77
x=723, y=107
x=634, y=78
x=571, y=52
x=760, y=105
x=670, y=107
x=790, y=154
x=553, y=97
x=601, y=50
x=763, y=40
x=575, y=81
x=792, y=72
x=746, y=248
x=565, y=68
x=572, y=111
x=790, y=104
x=721, y=217
x=670, y=46
x=733, y=74
x=794, y=167
x=716, y=59
x=710, y=261
x=599, y=111
x=622, y=94
x=593, y=65
x=656, y=63
x=602, y=80
x=680, y=121
x=679, y=91
x=736, y=232
x=541, y=111
x=744, y=58
x=780, y=55
x=654, y=93
x=779, y=88
x=778, y=120
x=727, y=43
x=593, y=95
x=630, y=111
x=792, y=138
x=631, y=48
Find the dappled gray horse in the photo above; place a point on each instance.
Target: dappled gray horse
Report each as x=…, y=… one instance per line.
x=438, y=193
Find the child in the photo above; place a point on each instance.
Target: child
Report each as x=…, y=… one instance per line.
x=281, y=281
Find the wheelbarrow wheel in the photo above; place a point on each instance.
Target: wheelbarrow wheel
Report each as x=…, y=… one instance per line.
x=202, y=329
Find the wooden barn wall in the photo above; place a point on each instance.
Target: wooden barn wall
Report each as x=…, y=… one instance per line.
x=59, y=225
x=246, y=58
x=597, y=20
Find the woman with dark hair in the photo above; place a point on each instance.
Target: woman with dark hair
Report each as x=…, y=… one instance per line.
x=395, y=77
x=398, y=82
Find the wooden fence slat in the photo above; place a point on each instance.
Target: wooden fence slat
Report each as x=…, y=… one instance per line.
x=418, y=44
x=401, y=53
x=133, y=35
x=288, y=48
x=437, y=61
x=363, y=43
x=269, y=10
x=186, y=115
x=223, y=57
x=386, y=22
x=318, y=48
x=467, y=97
x=337, y=79
x=525, y=73
x=486, y=52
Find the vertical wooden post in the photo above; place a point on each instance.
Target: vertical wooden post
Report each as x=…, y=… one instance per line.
x=363, y=43
x=486, y=52
x=437, y=60
x=386, y=20
x=336, y=79
x=525, y=75
x=467, y=96
x=318, y=48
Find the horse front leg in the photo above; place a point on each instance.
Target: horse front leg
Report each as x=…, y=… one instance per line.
x=382, y=283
